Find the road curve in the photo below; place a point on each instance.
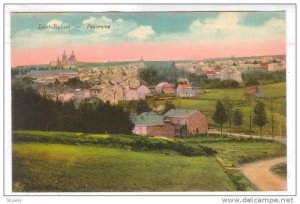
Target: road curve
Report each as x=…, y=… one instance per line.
x=260, y=174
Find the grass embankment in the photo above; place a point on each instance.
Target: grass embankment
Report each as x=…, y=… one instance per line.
x=42, y=165
x=206, y=102
x=60, y=161
x=236, y=151
x=133, y=142
x=232, y=152
x=280, y=169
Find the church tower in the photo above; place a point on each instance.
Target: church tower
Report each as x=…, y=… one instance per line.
x=64, y=57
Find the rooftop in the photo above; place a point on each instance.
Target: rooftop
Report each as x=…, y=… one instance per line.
x=185, y=85
x=179, y=112
x=51, y=72
x=149, y=119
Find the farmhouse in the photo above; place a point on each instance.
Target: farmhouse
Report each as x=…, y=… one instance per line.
x=176, y=122
x=165, y=87
x=188, y=122
x=185, y=90
x=149, y=123
x=168, y=89
x=159, y=87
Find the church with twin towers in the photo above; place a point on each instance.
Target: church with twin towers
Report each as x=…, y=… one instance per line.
x=65, y=62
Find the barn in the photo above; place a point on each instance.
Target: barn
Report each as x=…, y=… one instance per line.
x=174, y=123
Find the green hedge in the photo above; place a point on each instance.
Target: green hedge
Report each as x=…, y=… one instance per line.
x=136, y=143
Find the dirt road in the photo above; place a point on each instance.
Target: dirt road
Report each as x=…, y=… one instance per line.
x=260, y=174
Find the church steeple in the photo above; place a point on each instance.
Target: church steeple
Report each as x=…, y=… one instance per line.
x=64, y=56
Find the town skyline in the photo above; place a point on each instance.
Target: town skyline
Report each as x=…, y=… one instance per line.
x=103, y=37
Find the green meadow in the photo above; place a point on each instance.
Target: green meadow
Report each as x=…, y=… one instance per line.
x=79, y=162
x=206, y=102
x=70, y=168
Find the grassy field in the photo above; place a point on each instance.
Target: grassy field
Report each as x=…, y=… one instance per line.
x=235, y=151
x=68, y=162
x=206, y=102
x=65, y=168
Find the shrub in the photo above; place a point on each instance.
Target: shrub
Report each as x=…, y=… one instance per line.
x=136, y=143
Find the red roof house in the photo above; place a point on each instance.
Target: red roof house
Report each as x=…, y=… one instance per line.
x=251, y=90
x=168, y=89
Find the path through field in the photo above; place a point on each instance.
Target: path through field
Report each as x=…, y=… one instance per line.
x=260, y=174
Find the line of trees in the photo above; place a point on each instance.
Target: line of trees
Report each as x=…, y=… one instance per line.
x=224, y=112
x=32, y=111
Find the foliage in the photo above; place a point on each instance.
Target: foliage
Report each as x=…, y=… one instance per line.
x=34, y=112
x=142, y=106
x=240, y=181
x=280, y=169
x=237, y=118
x=243, y=151
x=168, y=106
x=207, y=98
x=253, y=78
x=251, y=81
x=260, y=116
x=218, y=84
x=228, y=106
x=220, y=115
x=164, y=71
x=136, y=143
x=75, y=83
x=149, y=75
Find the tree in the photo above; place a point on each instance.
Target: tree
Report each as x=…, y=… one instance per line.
x=74, y=83
x=260, y=117
x=168, y=106
x=149, y=75
x=237, y=119
x=228, y=106
x=142, y=106
x=220, y=116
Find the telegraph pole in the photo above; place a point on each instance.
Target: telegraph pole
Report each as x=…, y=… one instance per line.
x=272, y=117
x=250, y=125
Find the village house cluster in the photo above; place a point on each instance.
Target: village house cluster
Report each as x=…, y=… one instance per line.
x=232, y=68
x=115, y=83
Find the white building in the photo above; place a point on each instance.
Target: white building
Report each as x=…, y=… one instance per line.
x=131, y=95
x=143, y=91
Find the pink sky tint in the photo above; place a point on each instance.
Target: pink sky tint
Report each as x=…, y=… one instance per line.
x=149, y=51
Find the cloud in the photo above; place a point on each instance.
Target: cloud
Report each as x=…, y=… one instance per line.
x=55, y=22
x=225, y=21
x=119, y=30
x=141, y=33
x=101, y=20
x=227, y=27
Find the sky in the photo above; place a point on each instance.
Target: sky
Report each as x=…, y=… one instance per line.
x=127, y=36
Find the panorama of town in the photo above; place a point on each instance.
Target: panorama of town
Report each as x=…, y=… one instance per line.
x=65, y=79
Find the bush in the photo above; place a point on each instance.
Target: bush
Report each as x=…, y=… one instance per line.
x=136, y=143
x=240, y=181
x=217, y=84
